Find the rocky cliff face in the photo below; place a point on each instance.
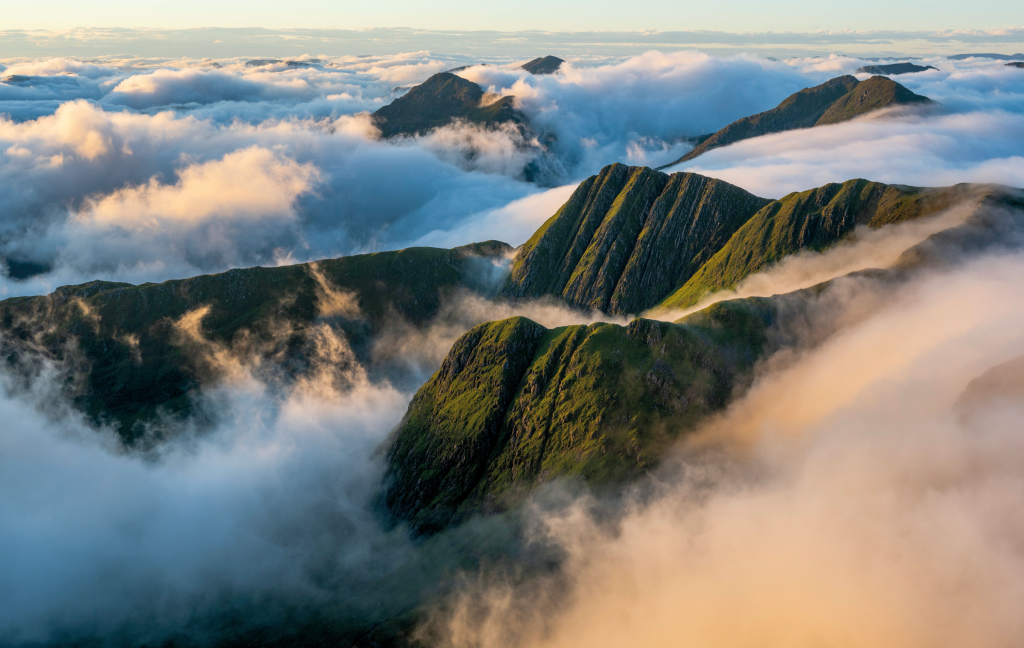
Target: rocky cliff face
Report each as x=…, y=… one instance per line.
x=834, y=101
x=439, y=101
x=627, y=237
x=129, y=361
x=515, y=405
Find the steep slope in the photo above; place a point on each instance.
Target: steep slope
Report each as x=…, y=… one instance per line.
x=543, y=65
x=814, y=220
x=515, y=404
x=439, y=101
x=129, y=352
x=894, y=68
x=832, y=102
x=627, y=237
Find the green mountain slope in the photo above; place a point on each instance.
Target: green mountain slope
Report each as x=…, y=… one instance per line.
x=814, y=219
x=832, y=102
x=627, y=237
x=439, y=101
x=128, y=360
x=515, y=404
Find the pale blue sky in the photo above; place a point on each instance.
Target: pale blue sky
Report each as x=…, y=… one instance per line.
x=561, y=15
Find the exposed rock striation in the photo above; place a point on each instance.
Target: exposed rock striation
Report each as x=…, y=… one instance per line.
x=832, y=102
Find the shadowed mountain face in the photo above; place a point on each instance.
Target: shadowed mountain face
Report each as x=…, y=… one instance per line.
x=894, y=68
x=543, y=65
x=515, y=404
x=998, y=57
x=135, y=353
x=439, y=101
x=832, y=102
x=627, y=236
x=1016, y=64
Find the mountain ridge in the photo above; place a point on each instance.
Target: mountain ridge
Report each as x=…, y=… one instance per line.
x=837, y=100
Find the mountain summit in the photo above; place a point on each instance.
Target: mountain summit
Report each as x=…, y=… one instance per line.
x=439, y=101
x=832, y=102
x=543, y=65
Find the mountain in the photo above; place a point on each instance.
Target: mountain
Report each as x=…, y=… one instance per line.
x=627, y=237
x=515, y=405
x=1019, y=64
x=128, y=359
x=543, y=65
x=832, y=102
x=439, y=101
x=998, y=57
x=894, y=68
x=813, y=219
x=632, y=238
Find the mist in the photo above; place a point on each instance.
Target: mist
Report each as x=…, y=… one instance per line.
x=845, y=499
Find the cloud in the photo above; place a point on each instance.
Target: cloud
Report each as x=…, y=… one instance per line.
x=840, y=501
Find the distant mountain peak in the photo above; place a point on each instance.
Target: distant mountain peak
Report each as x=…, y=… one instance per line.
x=543, y=65
x=894, y=68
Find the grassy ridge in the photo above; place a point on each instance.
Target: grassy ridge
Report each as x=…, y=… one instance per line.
x=515, y=405
x=128, y=362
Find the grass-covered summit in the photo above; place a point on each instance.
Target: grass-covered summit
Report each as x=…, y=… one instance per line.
x=832, y=102
x=894, y=68
x=439, y=101
x=515, y=405
x=130, y=361
x=631, y=238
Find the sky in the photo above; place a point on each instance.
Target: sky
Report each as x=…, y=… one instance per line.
x=566, y=15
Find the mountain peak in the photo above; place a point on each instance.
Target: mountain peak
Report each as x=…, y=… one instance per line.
x=439, y=101
x=543, y=65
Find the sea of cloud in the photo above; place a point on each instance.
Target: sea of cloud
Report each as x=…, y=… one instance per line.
x=139, y=169
x=852, y=497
